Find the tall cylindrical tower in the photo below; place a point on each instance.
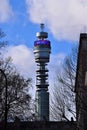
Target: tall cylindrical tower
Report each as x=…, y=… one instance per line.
x=42, y=49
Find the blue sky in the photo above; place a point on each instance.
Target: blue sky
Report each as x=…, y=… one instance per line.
x=20, y=29
x=20, y=19
x=64, y=21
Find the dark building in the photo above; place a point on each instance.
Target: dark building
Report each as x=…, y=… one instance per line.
x=81, y=84
x=39, y=125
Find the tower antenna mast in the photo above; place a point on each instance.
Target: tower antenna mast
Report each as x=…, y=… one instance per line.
x=42, y=27
x=42, y=49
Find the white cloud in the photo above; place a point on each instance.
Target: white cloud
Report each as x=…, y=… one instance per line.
x=56, y=60
x=55, y=66
x=23, y=59
x=5, y=11
x=65, y=18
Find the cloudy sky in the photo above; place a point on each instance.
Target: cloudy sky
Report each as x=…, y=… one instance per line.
x=64, y=21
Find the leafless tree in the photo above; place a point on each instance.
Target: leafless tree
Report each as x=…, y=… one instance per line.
x=18, y=97
x=63, y=101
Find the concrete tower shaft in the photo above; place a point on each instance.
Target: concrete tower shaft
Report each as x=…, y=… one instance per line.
x=42, y=76
x=42, y=50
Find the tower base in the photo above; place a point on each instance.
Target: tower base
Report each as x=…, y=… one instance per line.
x=42, y=103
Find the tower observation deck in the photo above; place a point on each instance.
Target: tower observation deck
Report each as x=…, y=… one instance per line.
x=42, y=50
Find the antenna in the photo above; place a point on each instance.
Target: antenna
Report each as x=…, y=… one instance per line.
x=42, y=34
x=42, y=26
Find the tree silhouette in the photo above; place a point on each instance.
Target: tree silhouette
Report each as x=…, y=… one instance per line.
x=18, y=97
x=63, y=101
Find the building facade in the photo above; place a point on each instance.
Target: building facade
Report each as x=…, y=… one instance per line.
x=81, y=84
x=41, y=125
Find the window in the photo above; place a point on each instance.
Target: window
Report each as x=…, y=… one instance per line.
x=86, y=78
